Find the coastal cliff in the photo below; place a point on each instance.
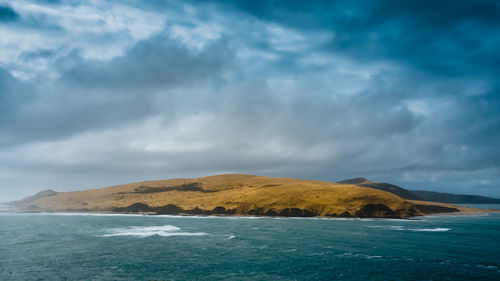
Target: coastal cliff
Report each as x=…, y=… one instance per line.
x=234, y=195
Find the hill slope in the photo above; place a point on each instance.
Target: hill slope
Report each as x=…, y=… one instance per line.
x=234, y=194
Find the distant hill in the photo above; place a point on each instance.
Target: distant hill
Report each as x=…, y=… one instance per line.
x=454, y=198
x=422, y=195
x=236, y=195
x=41, y=194
x=394, y=189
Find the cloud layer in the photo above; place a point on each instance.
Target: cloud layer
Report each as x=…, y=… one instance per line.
x=99, y=93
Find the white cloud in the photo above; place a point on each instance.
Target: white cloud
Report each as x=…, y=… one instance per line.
x=98, y=29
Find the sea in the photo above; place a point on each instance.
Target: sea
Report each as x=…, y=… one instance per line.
x=73, y=246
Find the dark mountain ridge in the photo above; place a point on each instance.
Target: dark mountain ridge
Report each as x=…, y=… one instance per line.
x=394, y=189
x=423, y=195
x=454, y=198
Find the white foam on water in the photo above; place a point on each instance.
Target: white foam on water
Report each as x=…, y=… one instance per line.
x=357, y=255
x=208, y=217
x=390, y=227
x=242, y=217
x=437, y=229
x=401, y=228
x=401, y=220
x=156, y=228
x=449, y=215
x=146, y=231
x=159, y=233
x=396, y=227
x=486, y=266
x=231, y=237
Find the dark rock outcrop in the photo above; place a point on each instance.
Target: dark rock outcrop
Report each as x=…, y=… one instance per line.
x=221, y=211
x=271, y=213
x=172, y=209
x=197, y=211
x=376, y=211
x=296, y=212
x=169, y=209
x=287, y=212
x=433, y=209
x=134, y=208
x=194, y=186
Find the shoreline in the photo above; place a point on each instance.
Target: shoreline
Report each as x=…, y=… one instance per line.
x=467, y=213
x=476, y=212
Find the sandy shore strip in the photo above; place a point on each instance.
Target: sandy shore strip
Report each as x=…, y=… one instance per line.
x=462, y=211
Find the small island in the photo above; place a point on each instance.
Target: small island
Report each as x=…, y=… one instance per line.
x=237, y=194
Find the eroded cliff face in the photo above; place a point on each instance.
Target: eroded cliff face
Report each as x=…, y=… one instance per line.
x=368, y=211
x=231, y=195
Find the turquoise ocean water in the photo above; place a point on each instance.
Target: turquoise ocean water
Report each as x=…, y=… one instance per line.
x=128, y=247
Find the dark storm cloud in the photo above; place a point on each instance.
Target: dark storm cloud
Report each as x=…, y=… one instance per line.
x=41, y=53
x=398, y=91
x=7, y=14
x=443, y=37
x=157, y=62
x=94, y=94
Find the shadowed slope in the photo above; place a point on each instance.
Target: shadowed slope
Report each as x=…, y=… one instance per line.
x=399, y=191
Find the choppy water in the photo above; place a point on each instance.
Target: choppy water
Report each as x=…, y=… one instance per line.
x=121, y=247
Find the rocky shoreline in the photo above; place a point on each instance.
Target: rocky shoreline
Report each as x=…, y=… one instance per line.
x=368, y=211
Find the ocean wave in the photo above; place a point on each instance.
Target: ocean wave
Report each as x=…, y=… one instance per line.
x=146, y=231
x=357, y=255
x=401, y=228
x=390, y=227
x=209, y=217
x=159, y=233
x=437, y=229
x=462, y=215
x=402, y=220
x=487, y=266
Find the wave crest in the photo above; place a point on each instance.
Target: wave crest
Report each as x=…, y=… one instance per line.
x=146, y=231
x=437, y=229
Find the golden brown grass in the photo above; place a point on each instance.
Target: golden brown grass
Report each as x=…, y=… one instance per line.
x=235, y=192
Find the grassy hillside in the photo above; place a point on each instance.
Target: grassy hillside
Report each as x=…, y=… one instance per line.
x=229, y=194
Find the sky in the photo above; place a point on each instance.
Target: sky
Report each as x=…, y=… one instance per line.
x=98, y=93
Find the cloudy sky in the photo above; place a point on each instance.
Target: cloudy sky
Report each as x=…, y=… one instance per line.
x=96, y=93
